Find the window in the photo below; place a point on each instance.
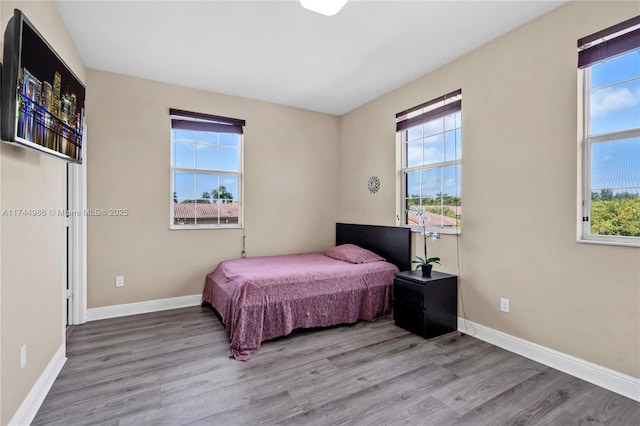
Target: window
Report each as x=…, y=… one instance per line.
x=610, y=60
x=206, y=170
x=430, y=135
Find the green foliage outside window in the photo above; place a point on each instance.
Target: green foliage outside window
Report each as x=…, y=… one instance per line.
x=615, y=214
x=220, y=194
x=445, y=211
x=447, y=200
x=432, y=205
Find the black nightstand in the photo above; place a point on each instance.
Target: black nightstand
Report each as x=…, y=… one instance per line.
x=427, y=307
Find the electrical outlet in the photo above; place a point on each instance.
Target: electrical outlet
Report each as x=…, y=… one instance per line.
x=504, y=305
x=23, y=356
x=120, y=281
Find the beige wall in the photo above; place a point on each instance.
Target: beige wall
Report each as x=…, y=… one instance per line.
x=291, y=186
x=519, y=190
x=32, y=248
x=305, y=170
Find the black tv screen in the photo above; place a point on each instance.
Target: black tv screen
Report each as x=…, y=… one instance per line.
x=42, y=99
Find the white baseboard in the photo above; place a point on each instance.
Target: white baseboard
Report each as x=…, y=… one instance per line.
x=31, y=404
x=604, y=377
x=114, y=311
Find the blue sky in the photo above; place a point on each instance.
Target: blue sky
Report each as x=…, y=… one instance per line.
x=615, y=94
x=615, y=106
x=209, y=151
x=433, y=142
x=616, y=165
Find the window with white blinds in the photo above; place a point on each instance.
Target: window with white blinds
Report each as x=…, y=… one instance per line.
x=206, y=170
x=609, y=61
x=431, y=138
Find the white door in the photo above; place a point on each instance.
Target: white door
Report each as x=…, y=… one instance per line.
x=76, y=281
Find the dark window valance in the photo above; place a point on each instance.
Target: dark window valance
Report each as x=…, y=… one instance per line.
x=608, y=43
x=412, y=117
x=187, y=120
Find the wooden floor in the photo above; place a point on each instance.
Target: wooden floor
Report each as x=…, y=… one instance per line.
x=172, y=368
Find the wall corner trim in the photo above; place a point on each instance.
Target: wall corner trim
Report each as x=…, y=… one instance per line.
x=126, y=309
x=612, y=380
x=31, y=404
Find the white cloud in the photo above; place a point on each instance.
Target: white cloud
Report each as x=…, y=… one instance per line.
x=433, y=127
x=414, y=154
x=451, y=187
x=229, y=181
x=451, y=182
x=432, y=155
x=613, y=99
x=432, y=182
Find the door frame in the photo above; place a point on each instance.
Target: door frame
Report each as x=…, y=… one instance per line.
x=77, y=241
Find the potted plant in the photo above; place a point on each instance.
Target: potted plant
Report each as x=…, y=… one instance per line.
x=425, y=263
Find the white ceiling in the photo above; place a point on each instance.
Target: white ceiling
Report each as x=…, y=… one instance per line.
x=276, y=51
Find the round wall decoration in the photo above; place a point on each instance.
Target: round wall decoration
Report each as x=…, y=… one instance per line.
x=374, y=184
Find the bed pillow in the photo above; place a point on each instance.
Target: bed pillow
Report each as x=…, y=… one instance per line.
x=353, y=254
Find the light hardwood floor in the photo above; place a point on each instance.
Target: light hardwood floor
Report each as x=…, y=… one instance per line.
x=172, y=368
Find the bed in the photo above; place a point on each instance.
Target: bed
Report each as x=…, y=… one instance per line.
x=261, y=298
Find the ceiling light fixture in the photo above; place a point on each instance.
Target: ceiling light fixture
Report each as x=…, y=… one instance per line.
x=323, y=7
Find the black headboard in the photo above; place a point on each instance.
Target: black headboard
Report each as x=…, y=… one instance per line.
x=391, y=242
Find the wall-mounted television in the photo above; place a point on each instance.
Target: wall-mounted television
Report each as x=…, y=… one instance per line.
x=42, y=103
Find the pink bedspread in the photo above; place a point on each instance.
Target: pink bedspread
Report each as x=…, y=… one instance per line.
x=262, y=298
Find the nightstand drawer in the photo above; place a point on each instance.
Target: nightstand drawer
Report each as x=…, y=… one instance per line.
x=409, y=317
x=409, y=293
x=426, y=306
